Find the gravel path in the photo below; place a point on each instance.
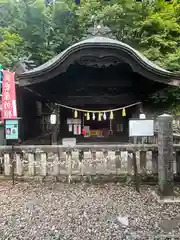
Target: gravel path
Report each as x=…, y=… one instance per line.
x=83, y=212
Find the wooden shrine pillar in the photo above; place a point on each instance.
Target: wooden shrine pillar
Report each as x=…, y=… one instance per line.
x=20, y=92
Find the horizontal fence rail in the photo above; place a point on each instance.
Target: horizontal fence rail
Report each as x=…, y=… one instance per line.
x=83, y=160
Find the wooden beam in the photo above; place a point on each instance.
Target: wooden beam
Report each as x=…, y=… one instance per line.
x=104, y=83
x=104, y=100
x=99, y=91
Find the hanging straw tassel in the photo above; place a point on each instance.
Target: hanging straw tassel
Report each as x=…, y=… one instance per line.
x=87, y=116
x=75, y=114
x=124, y=112
x=99, y=117
x=111, y=115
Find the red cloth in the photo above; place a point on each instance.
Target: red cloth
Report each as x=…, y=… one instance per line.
x=9, y=109
x=83, y=132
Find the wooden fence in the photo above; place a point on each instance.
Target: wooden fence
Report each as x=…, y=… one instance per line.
x=84, y=160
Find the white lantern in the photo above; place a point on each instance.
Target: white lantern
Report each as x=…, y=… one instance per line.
x=142, y=116
x=53, y=118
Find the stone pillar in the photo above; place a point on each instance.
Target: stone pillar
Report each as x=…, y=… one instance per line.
x=165, y=154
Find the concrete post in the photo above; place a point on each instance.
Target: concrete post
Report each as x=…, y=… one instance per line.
x=165, y=154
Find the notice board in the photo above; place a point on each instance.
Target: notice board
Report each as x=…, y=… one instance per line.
x=141, y=128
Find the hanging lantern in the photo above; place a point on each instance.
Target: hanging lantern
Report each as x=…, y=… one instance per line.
x=111, y=115
x=124, y=112
x=75, y=114
x=53, y=118
x=100, y=116
x=93, y=116
x=87, y=116
x=104, y=116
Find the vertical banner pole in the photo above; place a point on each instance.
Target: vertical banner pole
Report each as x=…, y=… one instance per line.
x=13, y=159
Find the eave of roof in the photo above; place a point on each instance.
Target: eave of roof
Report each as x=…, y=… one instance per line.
x=95, y=42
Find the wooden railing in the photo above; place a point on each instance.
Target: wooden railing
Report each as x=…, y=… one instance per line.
x=84, y=160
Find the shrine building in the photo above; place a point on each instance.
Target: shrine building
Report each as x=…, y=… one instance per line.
x=84, y=86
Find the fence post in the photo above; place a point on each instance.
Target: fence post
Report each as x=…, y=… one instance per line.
x=165, y=154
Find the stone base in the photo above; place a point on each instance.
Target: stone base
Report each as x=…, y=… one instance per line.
x=74, y=178
x=165, y=199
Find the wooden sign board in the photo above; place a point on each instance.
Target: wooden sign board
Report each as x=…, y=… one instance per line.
x=141, y=128
x=96, y=132
x=73, y=121
x=69, y=142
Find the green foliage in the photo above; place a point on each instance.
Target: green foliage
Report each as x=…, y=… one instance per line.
x=28, y=28
x=10, y=48
x=161, y=32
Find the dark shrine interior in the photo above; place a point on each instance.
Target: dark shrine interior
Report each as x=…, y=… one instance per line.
x=93, y=88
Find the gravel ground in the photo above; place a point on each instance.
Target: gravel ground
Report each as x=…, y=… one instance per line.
x=83, y=212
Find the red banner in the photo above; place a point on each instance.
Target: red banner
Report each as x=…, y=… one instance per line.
x=9, y=108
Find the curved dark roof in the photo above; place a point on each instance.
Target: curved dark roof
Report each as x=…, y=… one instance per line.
x=98, y=42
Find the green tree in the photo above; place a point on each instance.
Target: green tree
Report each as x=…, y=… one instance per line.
x=161, y=32
x=45, y=31
x=10, y=48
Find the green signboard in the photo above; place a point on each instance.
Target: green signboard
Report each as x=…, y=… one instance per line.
x=11, y=129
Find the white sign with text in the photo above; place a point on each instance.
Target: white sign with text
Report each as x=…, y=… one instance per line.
x=69, y=142
x=141, y=128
